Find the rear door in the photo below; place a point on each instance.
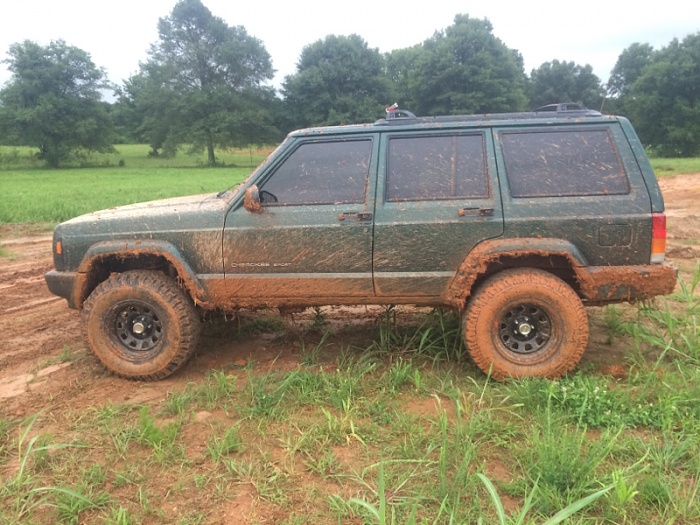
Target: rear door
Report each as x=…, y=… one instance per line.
x=437, y=197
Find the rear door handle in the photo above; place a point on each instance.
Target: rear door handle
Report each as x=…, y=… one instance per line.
x=360, y=216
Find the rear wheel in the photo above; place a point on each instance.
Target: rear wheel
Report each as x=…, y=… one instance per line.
x=141, y=325
x=525, y=323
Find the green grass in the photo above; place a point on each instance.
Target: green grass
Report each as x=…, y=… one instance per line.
x=132, y=156
x=401, y=430
x=31, y=193
x=664, y=166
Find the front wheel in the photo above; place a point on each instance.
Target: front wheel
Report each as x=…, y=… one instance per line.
x=525, y=323
x=141, y=325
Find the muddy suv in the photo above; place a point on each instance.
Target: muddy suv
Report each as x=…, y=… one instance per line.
x=517, y=221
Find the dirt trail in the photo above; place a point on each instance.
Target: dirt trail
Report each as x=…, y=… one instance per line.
x=682, y=197
x=42, y=355
x=34, y=326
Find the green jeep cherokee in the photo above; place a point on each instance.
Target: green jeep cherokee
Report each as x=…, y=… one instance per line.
x=517, y=221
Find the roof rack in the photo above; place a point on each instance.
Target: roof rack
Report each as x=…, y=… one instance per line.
x=567, y=109
x=396, y=116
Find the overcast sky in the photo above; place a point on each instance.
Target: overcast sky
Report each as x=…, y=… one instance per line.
x=117, y=33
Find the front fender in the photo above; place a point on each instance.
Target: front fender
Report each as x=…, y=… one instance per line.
x=125, y=249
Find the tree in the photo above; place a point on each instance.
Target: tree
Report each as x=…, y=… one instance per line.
x=558, y=81
x=664, y=102
x=203, y=83
x=466, y=69
x=400, y=67
x=628, y=68
x=53, y=102
x=339, y=80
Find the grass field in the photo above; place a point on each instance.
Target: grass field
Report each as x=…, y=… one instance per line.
x=663, y=167
x=30, y=193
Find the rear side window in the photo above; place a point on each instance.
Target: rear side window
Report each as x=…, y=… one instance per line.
x=563, y=163
x=436, y=167
x=329, y=172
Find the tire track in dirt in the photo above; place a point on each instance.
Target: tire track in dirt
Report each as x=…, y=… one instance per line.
x=34, y=324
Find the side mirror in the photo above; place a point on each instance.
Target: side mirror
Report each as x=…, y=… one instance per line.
x=251, y=202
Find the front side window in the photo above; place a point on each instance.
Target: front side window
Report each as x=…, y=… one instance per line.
x=563, y=163
x=436, y=167
x=329, y=172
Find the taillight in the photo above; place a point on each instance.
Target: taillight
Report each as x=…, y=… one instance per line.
x=658, y=237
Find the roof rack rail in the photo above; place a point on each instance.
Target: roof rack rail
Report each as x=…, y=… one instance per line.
x=566, y=107
x=396, y=116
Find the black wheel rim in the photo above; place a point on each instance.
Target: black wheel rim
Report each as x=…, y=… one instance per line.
x=525, y=329
x=138, y=327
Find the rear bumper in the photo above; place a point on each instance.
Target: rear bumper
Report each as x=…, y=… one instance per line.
x=63, y=285
x=615, y=284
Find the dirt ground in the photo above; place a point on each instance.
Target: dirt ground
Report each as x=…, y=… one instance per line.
x=42, y=355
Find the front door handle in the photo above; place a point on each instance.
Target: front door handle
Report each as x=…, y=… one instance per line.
x=360, y=216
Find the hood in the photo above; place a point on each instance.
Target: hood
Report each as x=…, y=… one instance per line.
x=155, y=219
x=168, y=207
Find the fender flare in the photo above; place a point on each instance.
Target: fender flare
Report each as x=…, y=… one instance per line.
x=487, y=252
x=124, y=249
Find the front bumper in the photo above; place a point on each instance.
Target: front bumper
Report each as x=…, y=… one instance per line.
x=63, y=285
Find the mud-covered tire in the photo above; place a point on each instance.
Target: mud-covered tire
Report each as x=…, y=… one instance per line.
x=141, y=325
x=525, y=323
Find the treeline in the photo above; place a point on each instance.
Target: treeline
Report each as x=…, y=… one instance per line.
x=205, y=84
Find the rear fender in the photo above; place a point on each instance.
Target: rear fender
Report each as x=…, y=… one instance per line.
x=486, y=258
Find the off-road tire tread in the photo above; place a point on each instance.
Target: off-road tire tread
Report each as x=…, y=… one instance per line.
x=186, y=317
x=478, y=329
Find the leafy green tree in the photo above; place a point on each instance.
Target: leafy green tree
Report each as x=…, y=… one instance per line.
x=53, y=102
x=339, y=80
x=664, y=101
x=628, y=68
x=466, y=69
x=203, y=84
x=400, y=66
x=557, y=81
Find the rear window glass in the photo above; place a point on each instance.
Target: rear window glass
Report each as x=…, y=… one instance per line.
x=563, y=163
x=436, y=167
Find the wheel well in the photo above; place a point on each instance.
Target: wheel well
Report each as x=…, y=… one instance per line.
x=556, y=264
x=102, y=267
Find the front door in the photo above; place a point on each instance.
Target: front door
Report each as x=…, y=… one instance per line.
x=312, y=241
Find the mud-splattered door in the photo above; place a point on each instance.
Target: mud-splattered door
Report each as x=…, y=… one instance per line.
x=312, y=238
x=438, y=197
